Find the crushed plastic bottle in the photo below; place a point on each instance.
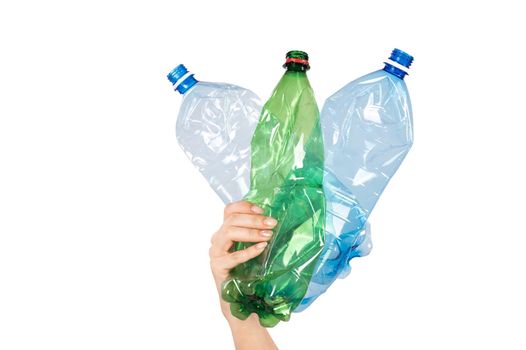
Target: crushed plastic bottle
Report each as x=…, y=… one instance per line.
x=214, y=128
x=286, y=182
x=367, y=127
x=368, y=131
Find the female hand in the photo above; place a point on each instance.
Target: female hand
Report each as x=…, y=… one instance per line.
x=242, y=222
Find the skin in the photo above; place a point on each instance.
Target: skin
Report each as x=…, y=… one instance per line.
x=242, y=222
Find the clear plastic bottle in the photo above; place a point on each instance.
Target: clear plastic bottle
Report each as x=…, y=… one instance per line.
x=214, y=128
x=287, y=183
x=367, y=130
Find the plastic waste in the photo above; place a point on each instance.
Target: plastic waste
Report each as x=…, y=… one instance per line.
x=286, y=182
x=214, y=128
x=368, y=130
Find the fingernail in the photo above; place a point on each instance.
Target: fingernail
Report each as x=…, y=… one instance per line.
x=257, y=209
x=270, y=221
x=261, y=245
x=266, y=233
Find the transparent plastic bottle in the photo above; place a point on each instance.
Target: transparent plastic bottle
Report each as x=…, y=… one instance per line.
x=214, y=128
x=368, y=130
x=287, y=183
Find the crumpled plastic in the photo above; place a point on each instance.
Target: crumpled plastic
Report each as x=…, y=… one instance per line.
x=367, y=131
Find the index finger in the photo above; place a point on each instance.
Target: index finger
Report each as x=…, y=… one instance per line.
x=242, y=207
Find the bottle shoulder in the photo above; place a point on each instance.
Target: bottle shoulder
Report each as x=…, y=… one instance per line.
x=379, y=83
x=213, y=90
x=221, y=101
x=291, y=90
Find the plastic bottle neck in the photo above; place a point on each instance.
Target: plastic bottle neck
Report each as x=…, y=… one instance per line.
x=297, y=61
x=398, y=63
x=181, y=79
x=186, y=84
x=397, y=72
x=296, y=70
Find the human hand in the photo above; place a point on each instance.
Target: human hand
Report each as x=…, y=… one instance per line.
x=242, y=222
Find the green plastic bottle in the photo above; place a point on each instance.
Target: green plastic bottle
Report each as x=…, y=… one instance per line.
x=286, y=181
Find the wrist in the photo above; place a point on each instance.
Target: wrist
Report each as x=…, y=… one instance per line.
x=250, y=324
x=234, y=322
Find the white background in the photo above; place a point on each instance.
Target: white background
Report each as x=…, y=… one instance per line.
x=105, y=225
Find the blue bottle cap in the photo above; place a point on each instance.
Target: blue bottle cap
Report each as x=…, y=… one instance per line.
x=403, y=59
x=179, y=73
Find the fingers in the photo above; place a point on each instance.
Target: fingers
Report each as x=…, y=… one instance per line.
x=250, y=221
x=229, y=261
x=223, y=240
x=243, y=222
x=243, y=207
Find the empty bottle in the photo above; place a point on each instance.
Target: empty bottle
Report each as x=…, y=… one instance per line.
x=286, y=182
x=368, y=130
x=214, y=128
